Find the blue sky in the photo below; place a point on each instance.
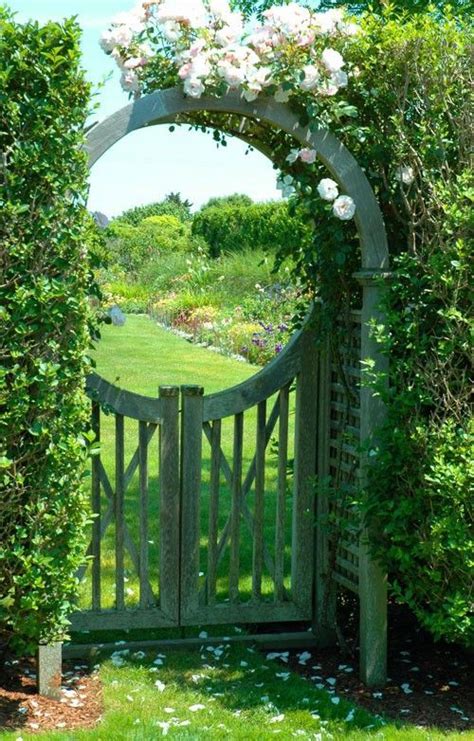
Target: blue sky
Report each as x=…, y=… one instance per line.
x=147, y=164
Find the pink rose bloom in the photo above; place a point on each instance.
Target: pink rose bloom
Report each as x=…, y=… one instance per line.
x=308, y=156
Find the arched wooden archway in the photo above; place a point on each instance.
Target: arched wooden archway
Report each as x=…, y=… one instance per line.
x=359, y=573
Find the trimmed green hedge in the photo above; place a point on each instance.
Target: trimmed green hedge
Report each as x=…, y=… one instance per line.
x=46, y=327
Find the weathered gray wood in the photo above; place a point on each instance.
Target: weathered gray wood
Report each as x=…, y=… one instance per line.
x=127, y=619
x=297, y=639
x=49, y=668
x=212, y=552
x=143, y=512
x=237, y=399
x=324, y=620
x=169, y=503
x=127, y=403
x=236, y=508
x=96, y=510
x=372, y=580
x=165, y=105
x=247, y=612
x=302, y=567
x=191, y=463
x=259, y=513
x=281, y=493
x=247, y=485
x=119, y=512
x=134, y=462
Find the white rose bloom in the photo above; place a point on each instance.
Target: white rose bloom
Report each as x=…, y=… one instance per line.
x=234, y=76
x=116, y=36
x=344, y=208
x=311, y=77
x=194, y=87
x=172, y=30
x=332, y=60
x=132, y=20
x=340, y=78
x=130, y=82
x=219, y=8
x=192, y=12
x=405, y=174
x=327, y=22
x=328, y=189
x=291, y=19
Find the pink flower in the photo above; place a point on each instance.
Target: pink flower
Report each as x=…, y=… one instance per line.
x=308, y=156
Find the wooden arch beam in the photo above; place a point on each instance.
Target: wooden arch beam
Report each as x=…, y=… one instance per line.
x=164, y=106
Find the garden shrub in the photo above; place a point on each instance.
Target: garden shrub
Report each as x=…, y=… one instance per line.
x=46, y=327
x=171, y=205
x=233, y=228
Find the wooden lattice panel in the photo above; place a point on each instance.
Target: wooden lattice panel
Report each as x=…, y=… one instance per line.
x=344, y=456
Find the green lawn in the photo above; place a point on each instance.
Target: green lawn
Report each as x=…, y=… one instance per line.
x=234, y=693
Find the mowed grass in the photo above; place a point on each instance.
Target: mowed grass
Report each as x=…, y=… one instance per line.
x=232, y=693
x=140, y=357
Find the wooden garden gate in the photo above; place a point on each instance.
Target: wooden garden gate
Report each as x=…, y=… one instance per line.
x=193, y=574
x=210, y=509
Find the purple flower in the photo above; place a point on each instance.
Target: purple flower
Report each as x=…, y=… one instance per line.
x=283, y=327
x=278, y=347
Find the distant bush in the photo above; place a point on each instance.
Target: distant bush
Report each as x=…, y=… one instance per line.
x=236, y=199
x=236, y=228
x=132, y=247
x=171, y=205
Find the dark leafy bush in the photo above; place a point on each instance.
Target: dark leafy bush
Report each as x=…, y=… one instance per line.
x=236, y=228
x=46, y=327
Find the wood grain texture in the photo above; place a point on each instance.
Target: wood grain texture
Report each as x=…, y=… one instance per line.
x=169, y=477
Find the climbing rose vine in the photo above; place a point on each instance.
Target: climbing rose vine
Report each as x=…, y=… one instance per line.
x=209, y=50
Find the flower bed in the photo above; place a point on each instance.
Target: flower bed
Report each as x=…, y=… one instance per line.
x=254, y=331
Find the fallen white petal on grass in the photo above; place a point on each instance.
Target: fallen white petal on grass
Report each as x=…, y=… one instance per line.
x=203, y=634
x=335, y=700
x=196, y=707
x=406, y=688
x=277, y=718
x=283, y=675
x=331, y=681
x=169, y=710
x=160, y=686
x=350, y=716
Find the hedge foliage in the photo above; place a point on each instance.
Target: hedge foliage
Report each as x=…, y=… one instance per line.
x=46, y=327
x=410, y=112
x=227, y=227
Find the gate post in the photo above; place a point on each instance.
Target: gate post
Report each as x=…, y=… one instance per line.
x=324, y=621
x=372, y=580
x=302, y=568
x=191, y=462
x=169, y=501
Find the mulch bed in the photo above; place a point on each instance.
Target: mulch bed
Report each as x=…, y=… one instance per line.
x=430, y=684
x=21, y=708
